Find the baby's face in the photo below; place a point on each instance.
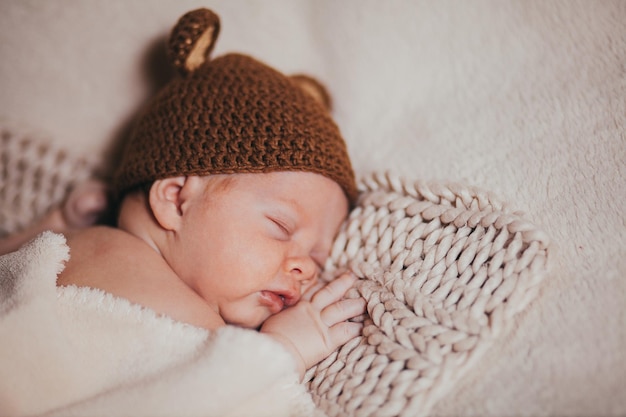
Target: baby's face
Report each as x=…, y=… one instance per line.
x=252, y=247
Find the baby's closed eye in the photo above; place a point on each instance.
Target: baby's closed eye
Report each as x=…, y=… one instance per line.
x=279, y=228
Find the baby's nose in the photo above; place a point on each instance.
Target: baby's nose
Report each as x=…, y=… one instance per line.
x=303, y=269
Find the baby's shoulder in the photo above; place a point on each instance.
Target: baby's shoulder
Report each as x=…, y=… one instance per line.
x=101, y=256
x=102, y=240
x=119, y=263
x=112, y=247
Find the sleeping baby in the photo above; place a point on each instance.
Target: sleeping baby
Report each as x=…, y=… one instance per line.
x=231, y=189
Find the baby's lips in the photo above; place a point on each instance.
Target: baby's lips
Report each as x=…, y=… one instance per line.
x=273, y=301
x=279, y=300
x=291, y=298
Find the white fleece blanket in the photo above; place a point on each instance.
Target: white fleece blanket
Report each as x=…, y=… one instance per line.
x=525, y=98
x=80, y=352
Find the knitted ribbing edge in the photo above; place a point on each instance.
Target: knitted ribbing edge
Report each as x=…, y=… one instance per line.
x=35, y=175
x=444, y=269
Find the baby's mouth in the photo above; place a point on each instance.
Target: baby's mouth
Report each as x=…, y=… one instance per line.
x=274, y=301
x=277, y=301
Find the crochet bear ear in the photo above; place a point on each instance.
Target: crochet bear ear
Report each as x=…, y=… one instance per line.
x=192, y=39
x=314, y=88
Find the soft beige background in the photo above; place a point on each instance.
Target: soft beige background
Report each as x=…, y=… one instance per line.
x=526, y=99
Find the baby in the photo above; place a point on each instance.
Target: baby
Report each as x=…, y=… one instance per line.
x=232, y=188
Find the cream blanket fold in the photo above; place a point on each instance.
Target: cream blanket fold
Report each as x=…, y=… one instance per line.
x=81, y=352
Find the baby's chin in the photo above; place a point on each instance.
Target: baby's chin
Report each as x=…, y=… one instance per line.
x=253, y=323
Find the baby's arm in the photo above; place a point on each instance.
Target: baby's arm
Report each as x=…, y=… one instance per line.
x=311, y=330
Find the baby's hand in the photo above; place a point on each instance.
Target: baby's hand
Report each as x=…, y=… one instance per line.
x=84, y=205
x=313, y=329
x=82, y=208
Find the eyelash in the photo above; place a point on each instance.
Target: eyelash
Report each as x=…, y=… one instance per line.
x=281, y=226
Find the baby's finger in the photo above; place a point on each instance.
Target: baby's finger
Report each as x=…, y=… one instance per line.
x=342, y=311
x=308, y=294
x=343, y=332
x=333, y=291
x=320, y=282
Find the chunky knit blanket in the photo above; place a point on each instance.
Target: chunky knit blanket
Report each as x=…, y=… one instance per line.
x=36, y=173
x=445, y=270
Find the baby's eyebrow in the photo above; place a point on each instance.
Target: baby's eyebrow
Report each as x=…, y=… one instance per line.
x=292, y=203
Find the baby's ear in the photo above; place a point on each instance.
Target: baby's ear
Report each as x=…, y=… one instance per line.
x=165, y=200
x=314, y=88
x=192, y=40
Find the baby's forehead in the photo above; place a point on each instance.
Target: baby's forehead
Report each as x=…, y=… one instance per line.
x=219, y=181
x=296, y=187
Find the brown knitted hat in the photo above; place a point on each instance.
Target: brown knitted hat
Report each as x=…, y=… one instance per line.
x=232, y=114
